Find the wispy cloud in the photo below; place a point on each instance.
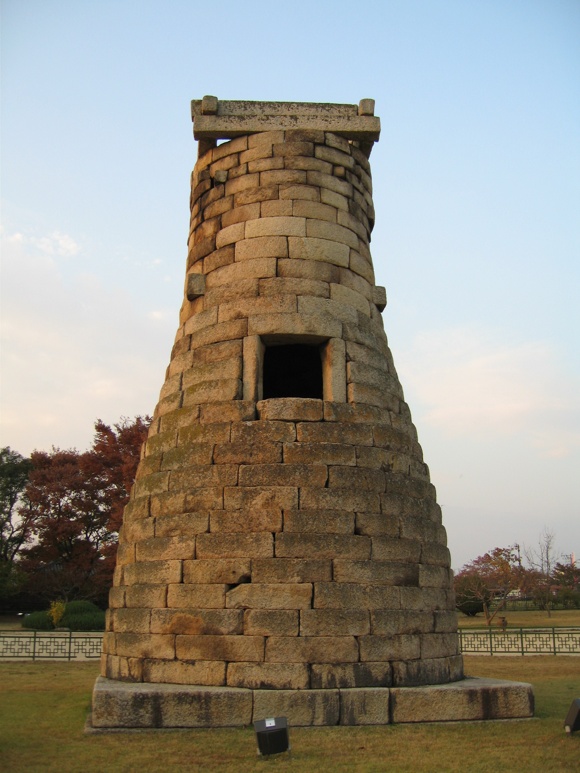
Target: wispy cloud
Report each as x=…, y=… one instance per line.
x=466, y=382
x=52, y=244
x=79, y=348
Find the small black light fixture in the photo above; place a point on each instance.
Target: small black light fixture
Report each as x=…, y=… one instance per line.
x=572, y=721
x=272, y=735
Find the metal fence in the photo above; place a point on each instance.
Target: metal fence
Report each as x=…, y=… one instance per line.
x=520, y=641
x=50, y=645
x=69, y=645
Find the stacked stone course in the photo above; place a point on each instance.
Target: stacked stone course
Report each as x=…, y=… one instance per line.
x=288, y=544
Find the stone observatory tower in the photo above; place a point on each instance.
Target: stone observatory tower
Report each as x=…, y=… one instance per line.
x=282, y=552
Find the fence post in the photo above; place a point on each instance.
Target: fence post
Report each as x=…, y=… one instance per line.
x=490, y=641
x=34, y=646
x=69, y=644
x=522, y=640
x=554, y=640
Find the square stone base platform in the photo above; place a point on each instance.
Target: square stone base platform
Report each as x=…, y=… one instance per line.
x=130, y=705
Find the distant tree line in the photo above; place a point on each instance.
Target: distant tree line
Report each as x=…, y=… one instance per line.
x=60, y=514
x=486, y=584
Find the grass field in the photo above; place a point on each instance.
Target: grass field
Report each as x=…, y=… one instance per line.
x=559, y=618
x=43, y=707
x=526, y=619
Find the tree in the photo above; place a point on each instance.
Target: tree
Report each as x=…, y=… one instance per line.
x=74, y=503
x=566, y=577
x=541, y=561
x=489, y=579
x=116, y=450
x=14, y=528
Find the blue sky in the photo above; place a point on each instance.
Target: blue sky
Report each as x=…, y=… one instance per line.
x=477, y=237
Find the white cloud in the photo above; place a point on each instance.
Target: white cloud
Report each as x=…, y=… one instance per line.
x=55, y=243
x=466, y=383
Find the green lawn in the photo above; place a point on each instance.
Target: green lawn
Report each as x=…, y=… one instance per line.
x=559, y=618
x=43, y=707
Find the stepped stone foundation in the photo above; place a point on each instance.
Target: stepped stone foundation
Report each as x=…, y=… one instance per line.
x=283, y=552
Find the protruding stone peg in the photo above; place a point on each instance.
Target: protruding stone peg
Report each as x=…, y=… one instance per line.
x=365, y=107
x=209, y=105
x=380, y=297
x=195, y=286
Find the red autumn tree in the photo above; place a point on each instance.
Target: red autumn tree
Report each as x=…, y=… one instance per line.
x=74, y=503
x=489, y=579
x=115, y=454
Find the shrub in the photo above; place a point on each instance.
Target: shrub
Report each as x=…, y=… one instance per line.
x=470, y=607
x=80, y=607
x=83, y=616
x=56, y=612
x=89, y=621
x=39, y=621
x=78, y=616
x=568, y=598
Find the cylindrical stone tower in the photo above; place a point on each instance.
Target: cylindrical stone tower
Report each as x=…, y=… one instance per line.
x=282, y=552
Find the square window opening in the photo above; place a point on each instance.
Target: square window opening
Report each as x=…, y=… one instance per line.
x=292, y=370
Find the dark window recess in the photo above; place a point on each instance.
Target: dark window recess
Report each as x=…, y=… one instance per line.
x=292, y=370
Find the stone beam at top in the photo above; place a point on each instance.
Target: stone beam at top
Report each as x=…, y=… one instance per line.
x=215, y=119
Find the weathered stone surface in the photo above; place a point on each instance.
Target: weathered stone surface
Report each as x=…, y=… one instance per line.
x=393, y=621
x=334, y=622
x=283, y=475
x=319, y=522
x=203, y=672
x=290, y=409
x=271, y=622
x=217, y=570
x=131, y=620
x=184, y=524
x=246, y=520
x=290, y=545
x=268, y=676
x=331, y=675
x=300, y=707
x=470, y=699
x=118, y=704
x=298, y=570
x=439, y=645
x=161, y=548
x=243, y=648
x=383, y=648
x=344, y=595
x=234, y=545
x=196, y=621
x=194, y=596
x=410, y=673
x=152, y=573
x=122, y=704
x=143, y=645
x=339, y=499
x=273, y=596
x=364, y=706
x=311, y=649
x=283, y=497
x=376, y=572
